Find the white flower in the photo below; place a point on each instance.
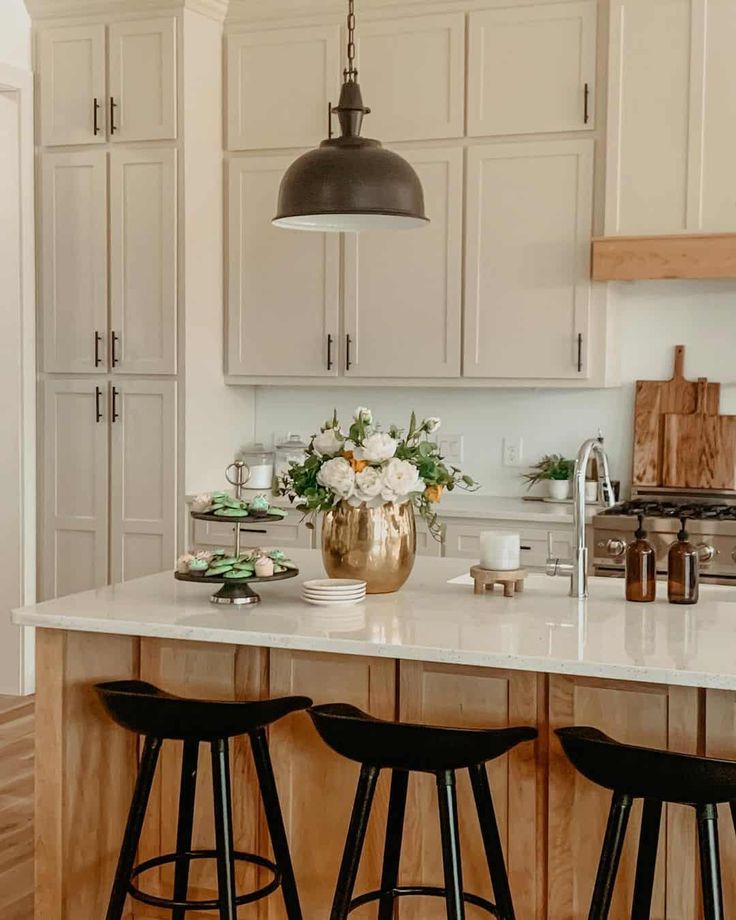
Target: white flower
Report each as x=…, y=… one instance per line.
x=376, y=448
x=328, y=443
x=182, y=563
x=201, y=502
x=338, y=476
x=368, y=486
x=432, y=424
x=400, y=479
x=362, y=413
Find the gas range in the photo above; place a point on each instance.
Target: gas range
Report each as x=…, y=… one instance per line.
x=711, y=523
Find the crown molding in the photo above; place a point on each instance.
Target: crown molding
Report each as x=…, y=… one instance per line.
x=63, y=9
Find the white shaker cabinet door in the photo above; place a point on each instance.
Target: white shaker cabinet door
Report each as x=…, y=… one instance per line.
x=71, y=75
x=143, y=478
x=527, y=259
x=143, y=303
x=412, y=74
x=403, y=289
x=74, y=261
x=531, y=68
x=283, y=290
x=279, y=84
x=73, y=539
x=142, y=103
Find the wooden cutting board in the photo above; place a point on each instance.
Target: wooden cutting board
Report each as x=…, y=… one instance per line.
x=654, y=399
x=700, y=449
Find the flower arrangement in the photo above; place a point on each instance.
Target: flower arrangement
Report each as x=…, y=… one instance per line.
x=365, y=465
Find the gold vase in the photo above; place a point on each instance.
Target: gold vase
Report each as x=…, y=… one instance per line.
x=376, y=544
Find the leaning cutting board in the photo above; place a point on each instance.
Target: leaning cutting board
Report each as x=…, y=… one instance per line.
x=700, y=449
x=655, y=398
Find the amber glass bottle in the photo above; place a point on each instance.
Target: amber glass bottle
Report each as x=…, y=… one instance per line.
x=641, y=567
x=682, y=570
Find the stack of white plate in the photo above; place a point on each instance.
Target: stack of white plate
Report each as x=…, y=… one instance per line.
x=333, y=592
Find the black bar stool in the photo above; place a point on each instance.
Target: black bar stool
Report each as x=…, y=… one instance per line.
x=158, y=716
x=404, y=748
x=656, y=777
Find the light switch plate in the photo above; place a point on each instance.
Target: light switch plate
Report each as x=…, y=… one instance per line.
x=452, y=447
x=513, y=451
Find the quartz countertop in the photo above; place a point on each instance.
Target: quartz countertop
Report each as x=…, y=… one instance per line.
x=435, y=617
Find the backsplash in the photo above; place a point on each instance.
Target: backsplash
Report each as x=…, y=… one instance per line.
x=649, y=318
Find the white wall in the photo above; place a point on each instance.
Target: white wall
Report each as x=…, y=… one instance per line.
x=651, y=317
x=15, y=34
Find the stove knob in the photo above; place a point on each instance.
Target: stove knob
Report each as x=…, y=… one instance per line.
x=617, y=547
x=706, y=552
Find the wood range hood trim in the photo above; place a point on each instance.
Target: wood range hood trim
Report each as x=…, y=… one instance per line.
x=638, y=258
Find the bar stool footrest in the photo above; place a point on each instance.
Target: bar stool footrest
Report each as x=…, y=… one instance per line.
x=427, y=891
x=213, y=903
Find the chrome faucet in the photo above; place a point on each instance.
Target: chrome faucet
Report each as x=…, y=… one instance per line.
x=577, y=568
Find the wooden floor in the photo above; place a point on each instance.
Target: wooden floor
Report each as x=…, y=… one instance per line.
x=16, y=808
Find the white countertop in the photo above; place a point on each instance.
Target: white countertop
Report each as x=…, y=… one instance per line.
x=432, y=619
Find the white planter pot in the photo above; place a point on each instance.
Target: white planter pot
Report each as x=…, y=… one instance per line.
x=558, y=488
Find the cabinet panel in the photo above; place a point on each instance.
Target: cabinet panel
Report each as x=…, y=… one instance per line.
x=143, y=260
x=71, y=64
x=720, y=741
x=283, y=284
x=73, y=540
x=412, y=72
x=143, y=478
x=279, y=82
x=290, y=532
x=142, y=61
x=387, y=275
x=655, y=716
x=73, y=261
x=527, y=259
x=648, y=117
x=462, y=541
x=529, y=67
x=444, y=694
x=316, y=824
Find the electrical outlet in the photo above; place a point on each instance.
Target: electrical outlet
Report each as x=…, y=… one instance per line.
x=451, y=447
x=512, y=452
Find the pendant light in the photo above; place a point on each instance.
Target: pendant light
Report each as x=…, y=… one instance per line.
x=350, y=183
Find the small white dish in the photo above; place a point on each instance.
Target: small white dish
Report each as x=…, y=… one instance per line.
x=335, y=583
x=346, y=602
x=335, y=596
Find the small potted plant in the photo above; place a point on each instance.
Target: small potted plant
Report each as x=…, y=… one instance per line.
x=556, y=471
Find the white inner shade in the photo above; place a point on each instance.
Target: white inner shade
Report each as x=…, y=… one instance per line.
x=349, y=223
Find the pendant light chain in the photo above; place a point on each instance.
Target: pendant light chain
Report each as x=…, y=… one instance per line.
x=351, y=74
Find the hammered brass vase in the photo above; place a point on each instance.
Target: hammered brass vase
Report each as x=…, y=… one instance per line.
x=378, y=545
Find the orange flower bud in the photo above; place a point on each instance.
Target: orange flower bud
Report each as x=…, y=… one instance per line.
x=434, y=493
x=358, y=465
x=347, y=454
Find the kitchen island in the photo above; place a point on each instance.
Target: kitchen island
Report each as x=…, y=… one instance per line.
x=434, y=652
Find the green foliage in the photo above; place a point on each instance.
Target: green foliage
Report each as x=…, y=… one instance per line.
x=551, y=466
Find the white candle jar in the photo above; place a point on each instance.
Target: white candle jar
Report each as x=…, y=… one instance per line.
x=259, y=461
x=499, y=551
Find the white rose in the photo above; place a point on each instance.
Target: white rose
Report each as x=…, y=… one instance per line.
x=400, y=479
x=432, y=424
x=338, y=476
x=201, y=502
x=368, y=486
x=328, y=443
x=376, y=448
x=364, y=414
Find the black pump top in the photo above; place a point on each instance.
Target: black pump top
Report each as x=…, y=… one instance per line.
x=683, y=535
x=640, y=533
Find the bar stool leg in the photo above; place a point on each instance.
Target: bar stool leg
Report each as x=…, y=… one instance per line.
x=646, y=860
x=710, y=867
x=491, y=841
x=450, y=845
x=223, y=829
x=354, y=842
x=187, y=791
x=275, y=821
x=392, y=846
x=618, y=819
x=133, y=828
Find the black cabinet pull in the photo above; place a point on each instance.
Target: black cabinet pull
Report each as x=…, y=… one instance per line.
x=113, y=106
x=115, y=413
x=580, y=352
x=348, y=343
x=98, y=404
x=586, y=97
x=98, y=342
x=525, y=547
x=114, y=340
x=95, y=116
x=329, y=119
x=329, y=352
x=251, y=530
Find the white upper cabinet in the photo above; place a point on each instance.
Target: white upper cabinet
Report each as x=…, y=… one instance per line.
x=403, y=289
x=73, y=279
x=531, y=68
x=143, y=276
x=279, y=83
x=73, y=101
x=527, y=259
x=412, y=74
x=142, y=62
x=283, y=290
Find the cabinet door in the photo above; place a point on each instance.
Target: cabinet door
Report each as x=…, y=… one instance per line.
x=279, y=83
x=143, y=276
x=142, y=80
x=71, y=74
x=143, y=478
x=292, y=531
x=527, y=259
x=74, y=261
x=412, y=72
x=73, y=539
x=284, y=284
x=462, y=541
x=403, y=290
x=531, y=69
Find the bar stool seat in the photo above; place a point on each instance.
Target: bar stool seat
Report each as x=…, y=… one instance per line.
x=159, y=716
x=404, y=748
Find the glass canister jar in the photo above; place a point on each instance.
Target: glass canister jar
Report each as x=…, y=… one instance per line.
x=291, y=449
x=259, y=460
